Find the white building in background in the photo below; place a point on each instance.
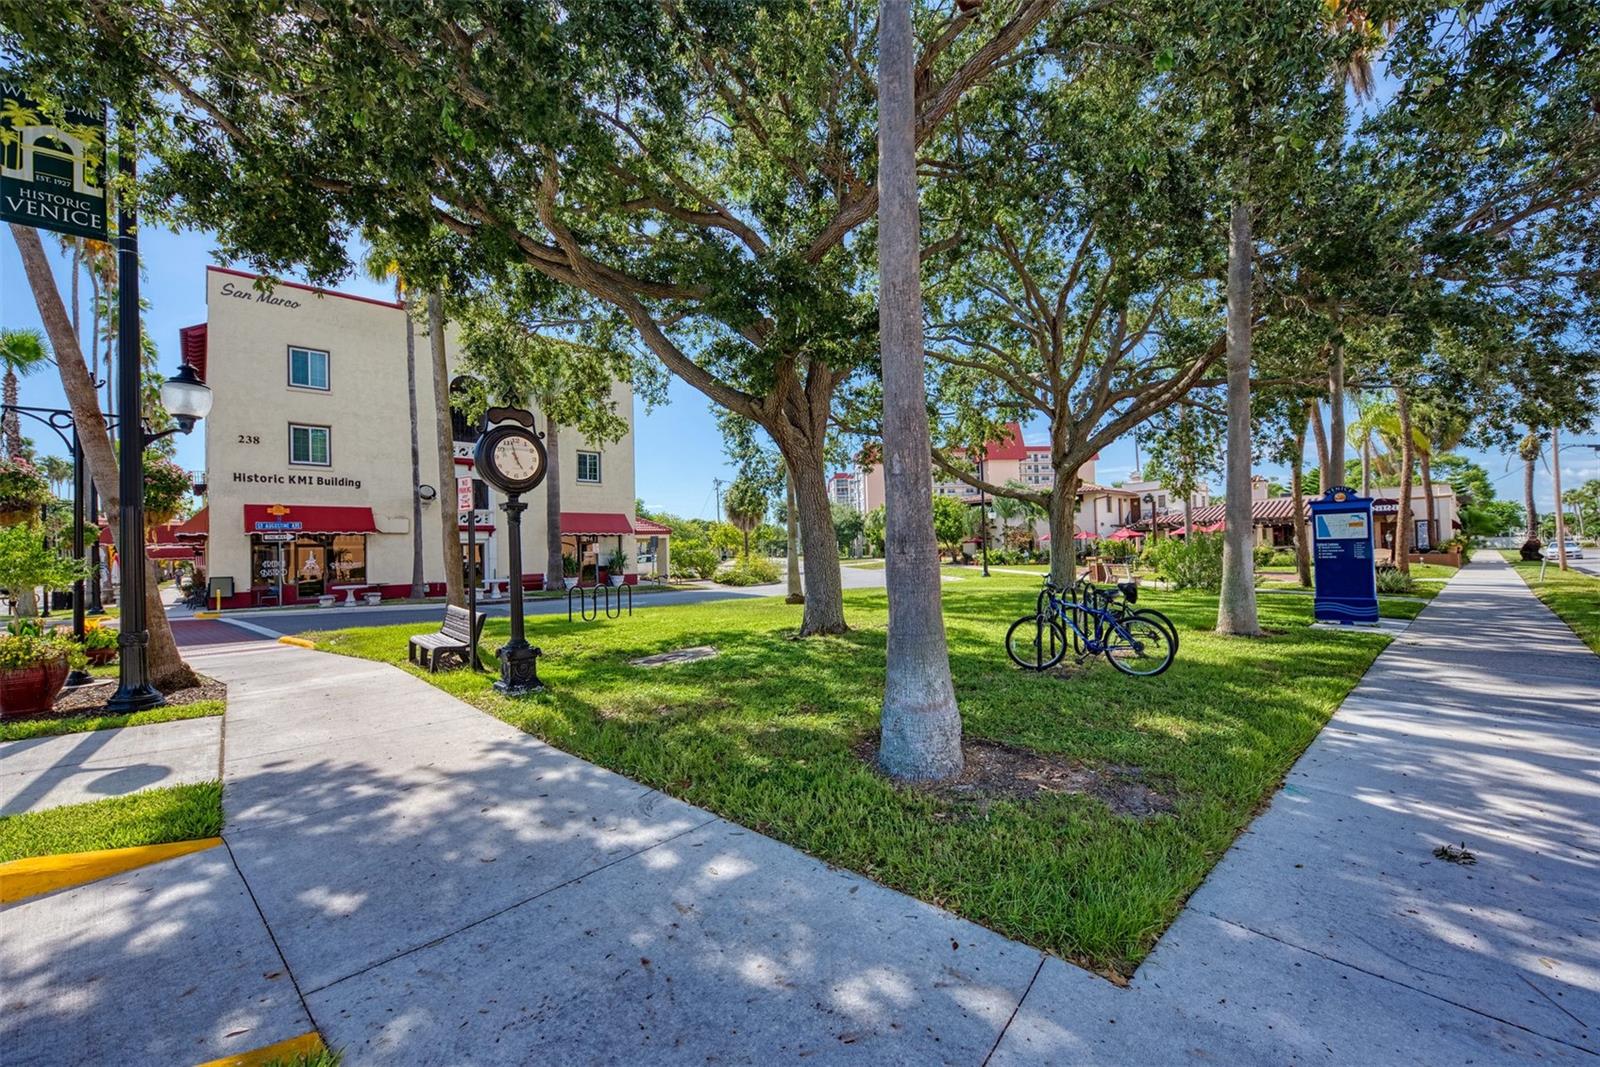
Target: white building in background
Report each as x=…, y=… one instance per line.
x=1166, y=499
x=847, y=488
x=308, y=454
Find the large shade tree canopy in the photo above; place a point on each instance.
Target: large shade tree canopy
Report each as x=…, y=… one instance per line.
x=694, y=169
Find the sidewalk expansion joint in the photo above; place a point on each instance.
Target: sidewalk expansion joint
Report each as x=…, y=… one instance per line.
x=1001, y=1036
x=271, y=936
x=1407, y=986
x=510, y=907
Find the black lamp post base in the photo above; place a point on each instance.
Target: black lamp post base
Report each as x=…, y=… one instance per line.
x=519, y=670
x=77, y=678
x=135, y=698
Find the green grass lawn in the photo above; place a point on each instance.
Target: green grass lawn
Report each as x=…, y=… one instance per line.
x=22, y=729
x=153, y=817
x=767, y=734
x=1572, y=595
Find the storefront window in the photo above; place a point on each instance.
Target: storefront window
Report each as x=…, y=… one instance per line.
x=313, y=564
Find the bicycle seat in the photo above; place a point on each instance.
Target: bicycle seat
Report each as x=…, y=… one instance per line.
x=1130, y=590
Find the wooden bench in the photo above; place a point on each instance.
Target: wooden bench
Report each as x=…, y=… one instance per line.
x=455, y=638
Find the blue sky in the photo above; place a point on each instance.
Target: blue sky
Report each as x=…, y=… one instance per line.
x=678, y=450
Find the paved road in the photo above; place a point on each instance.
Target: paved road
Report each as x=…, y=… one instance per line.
x=445, y=889
x=339, y=618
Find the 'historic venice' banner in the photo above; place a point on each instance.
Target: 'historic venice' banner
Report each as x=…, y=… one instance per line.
x=52, y=176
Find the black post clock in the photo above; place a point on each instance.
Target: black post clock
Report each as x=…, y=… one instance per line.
x=511, y=457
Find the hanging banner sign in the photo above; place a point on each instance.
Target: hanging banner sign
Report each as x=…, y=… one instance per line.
x=1347, y=587
x=52, y=177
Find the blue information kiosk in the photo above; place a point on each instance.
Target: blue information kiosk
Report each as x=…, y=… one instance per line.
x=1341, y=548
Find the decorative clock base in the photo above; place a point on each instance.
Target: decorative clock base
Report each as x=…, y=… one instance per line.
x=519, y=669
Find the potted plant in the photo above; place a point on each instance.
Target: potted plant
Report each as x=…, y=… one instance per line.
x=23, y=491
x=616, y=565
x=33, y=668
x=100, y=642
x=166, y=487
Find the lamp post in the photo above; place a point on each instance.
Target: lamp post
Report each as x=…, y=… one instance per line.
x=1150, y=503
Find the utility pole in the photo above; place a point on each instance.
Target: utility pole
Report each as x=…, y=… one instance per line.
x=1561, y=518
x=716, y=487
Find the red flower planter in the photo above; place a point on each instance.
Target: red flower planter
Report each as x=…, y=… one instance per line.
x=31, y=690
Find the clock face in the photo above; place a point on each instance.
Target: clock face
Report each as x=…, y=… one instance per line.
x=511, y=459
x=517, y=459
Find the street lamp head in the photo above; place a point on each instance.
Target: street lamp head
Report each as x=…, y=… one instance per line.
x=186, y=398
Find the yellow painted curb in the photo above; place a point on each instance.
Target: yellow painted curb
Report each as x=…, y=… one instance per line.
x=30, y=877
x=206, y=615
x=298, y=642
x=304, y=1045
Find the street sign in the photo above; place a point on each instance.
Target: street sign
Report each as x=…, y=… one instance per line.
x=52, y=168
x=463, y=494
x=1347, y=581
x=277, y=537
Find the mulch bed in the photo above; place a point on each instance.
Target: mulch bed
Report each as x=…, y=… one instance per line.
x=91, y=699
x=995, y=771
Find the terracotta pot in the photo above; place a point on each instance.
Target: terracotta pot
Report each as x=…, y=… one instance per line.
x=31, y=690
x=101, y=656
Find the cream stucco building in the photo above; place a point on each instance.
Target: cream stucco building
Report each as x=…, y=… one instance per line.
x=308, y=453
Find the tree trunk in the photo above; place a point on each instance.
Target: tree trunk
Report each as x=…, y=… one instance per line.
x=1561, y=511
x=1302, y=547
x=805, y=461
x=449, y=532
x=1428, y=507
x=1320, y=437
x=419, y=578
x=1402, y=533
x=1336, y=432
x=1529, y=468
x=1236, y=607
x=796, y=595
x=166, y=666
x=1063, y=514
x=921, y=725
x=12, y=425
x=555, y=568
x=1366, y=465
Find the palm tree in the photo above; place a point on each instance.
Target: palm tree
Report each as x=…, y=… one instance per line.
x=454, y=587
x=1236, y=606
x=1408, y=449
x=59, y=471
x=1530, y=450
x=921, y=726
x=1372, y=418
x=795, y=593
x=1007, y=508
x=746, y=505
x=22, y=352
x=383, y=267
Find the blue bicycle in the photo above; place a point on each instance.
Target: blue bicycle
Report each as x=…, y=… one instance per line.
x=1100, y=622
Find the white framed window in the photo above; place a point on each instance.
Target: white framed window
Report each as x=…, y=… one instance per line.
x=309, y=446
x=308, y=368
x=588, y=466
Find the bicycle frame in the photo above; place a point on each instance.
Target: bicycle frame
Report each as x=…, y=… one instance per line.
x=1106, y=622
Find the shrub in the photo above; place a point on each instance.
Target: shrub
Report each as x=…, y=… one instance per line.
x=1262, y=554
x=1191, y=563
x=29, y=650
x=694, y=559
x=1395, y=580
x=750, y=570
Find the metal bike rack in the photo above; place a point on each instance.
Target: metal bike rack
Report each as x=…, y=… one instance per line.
x=592, y=600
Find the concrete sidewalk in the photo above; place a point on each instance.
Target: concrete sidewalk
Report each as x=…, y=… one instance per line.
x=1331, y=933
x=47, y=772
x=446, y=889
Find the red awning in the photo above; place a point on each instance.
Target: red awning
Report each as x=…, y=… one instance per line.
x=171, y=552
x=595, y=522
x=307, y=518
x=1084, y=535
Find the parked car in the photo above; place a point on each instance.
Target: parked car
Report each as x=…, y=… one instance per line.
x=1574, y=550
x=647, y=559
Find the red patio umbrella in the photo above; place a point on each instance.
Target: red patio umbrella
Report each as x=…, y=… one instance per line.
x=1125, y=534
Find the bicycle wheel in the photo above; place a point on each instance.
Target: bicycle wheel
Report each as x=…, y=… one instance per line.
x=1156, y=616
x=1036, y=643
x=1144, y=649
